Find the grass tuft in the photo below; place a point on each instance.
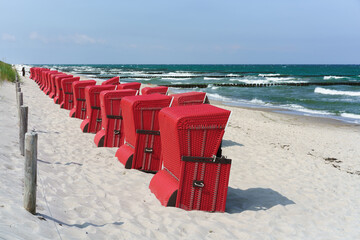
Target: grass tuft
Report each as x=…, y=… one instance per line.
x=7, y=72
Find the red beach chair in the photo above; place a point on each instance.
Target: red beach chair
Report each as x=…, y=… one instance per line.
x=44, y=80
x=92, y=123
x=193, y=177
x=188, y=98
x=79, y=109
x=142, y=147
x=52, y=88
x=32, y=73
x=68, y=98
x=152, y=90
x=131, y=85
x=112, y=81
x=112, y=132
x=59, y=91
x=48, y=87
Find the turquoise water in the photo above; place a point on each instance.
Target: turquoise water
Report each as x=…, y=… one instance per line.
x=337, y=101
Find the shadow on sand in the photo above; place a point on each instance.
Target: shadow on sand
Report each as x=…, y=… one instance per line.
x=254, y=199
x=69, y=163
x=84, y=225
x=229, y=143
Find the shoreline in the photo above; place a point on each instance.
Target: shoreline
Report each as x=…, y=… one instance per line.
x=249, y=105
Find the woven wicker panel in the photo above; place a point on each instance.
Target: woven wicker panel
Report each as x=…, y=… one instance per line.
x=112, y=81
x=48, y=81
x=132, y=85
x=68, y=98
x=59, y=91
x=153, y=90
x=198, y=131
x=141, y=113
x=110, y=101
x=188, y=98
x=180, y=137
x=51, y=89
x=211, y=197
x=79, y=109
x=53, y=85
x=93, y=113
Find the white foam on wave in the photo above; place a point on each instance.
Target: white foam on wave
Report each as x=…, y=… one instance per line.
x=269, y=75
x=210, y=78
x=258, y=102
x=325, y=91
x=279, y=79
x=332, y=77
x=180, y=73
x=302, y=109
x=265, y=81
x=218, y=97
x=350, y=115
x=178, y=79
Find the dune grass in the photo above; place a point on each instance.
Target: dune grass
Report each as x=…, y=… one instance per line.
x=7, y=72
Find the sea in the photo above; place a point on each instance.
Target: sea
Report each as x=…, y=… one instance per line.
x=329, y=91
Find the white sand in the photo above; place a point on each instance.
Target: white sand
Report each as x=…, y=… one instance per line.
x=281, y=186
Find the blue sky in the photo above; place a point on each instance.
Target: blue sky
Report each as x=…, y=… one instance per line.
x=184, y=32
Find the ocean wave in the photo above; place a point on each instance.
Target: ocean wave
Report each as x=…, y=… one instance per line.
x=258, y=102
x=336, y=92
x=210, y=78
x=279, y=79
x=269, y=75
x=299, y=108
x=350, y=115
x=178, y=79
x=180, y=73
x=266, y=81
x=333, y=77
x=218, y=97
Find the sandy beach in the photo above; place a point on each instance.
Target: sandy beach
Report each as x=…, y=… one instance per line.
x=292, y=177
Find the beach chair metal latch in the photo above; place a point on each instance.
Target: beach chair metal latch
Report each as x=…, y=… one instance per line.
x=199, y=184
x=148, y=150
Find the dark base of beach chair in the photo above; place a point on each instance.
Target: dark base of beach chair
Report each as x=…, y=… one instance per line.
x=100, y=138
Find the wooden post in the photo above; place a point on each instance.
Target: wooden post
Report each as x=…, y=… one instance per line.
x=30, y=172
x=18, y=89
x=20, y=102
x=23, y=127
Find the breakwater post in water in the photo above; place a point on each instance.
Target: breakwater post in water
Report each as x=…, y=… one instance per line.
x=30, y=172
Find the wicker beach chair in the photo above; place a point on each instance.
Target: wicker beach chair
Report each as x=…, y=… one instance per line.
x=142, y=146
x=193, y=177
x=79, y=109
x=48, y=86
x=52, y=88
x=38, y=74
x=92, y=122
x=112, y=81
x=44, y=85
x=67, y=93
x=112, y=132
x=131, y=85
x=32, y=73
x=152, y=90
x=59, y=91
x=188, y=98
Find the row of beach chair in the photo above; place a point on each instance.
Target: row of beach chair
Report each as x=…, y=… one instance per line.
x=177, y=137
